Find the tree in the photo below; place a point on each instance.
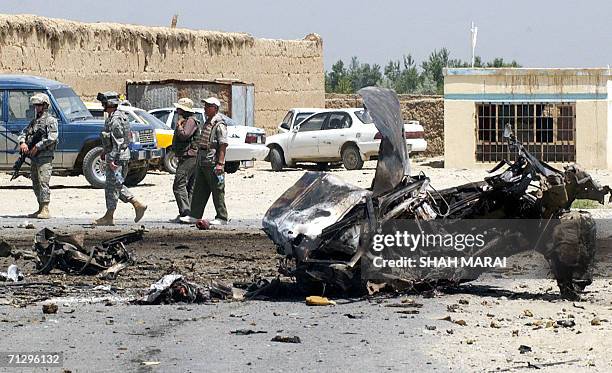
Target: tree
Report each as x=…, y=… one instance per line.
x=432, y=68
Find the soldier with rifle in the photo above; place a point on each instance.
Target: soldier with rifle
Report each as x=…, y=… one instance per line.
x=37, y=141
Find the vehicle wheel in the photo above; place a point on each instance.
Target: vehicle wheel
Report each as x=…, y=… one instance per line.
x=94, y=169
x=276, y=159
x=134, y=177
x=170, y=161
x=232, y=167
x=352, y=158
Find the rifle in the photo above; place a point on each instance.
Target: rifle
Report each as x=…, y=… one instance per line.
x=34, y=139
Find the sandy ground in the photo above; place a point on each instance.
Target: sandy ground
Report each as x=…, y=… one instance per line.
x=249, y=192
x=500, y=314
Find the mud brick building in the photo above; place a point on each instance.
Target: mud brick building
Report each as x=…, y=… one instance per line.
x=95, y=57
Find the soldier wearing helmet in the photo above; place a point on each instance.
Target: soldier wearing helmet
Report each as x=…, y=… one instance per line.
x=43, y=131
x=115, y=141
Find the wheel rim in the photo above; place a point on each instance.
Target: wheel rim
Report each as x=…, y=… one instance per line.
x=99, y=169
x=351, y=159
x=173, y=161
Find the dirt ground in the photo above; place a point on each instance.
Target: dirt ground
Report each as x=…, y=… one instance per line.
x=489, y=319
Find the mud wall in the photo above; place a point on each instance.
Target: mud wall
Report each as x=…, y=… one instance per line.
x=103, y=56
x=429, y=110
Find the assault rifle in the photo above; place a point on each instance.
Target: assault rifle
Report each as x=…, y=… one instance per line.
x=34, y=139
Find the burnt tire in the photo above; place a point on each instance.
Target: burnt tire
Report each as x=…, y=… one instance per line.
x=170, y=161
x=277, y=161
x=351, y=157
x=94, y=169
x=232, y=167
x=134, y=177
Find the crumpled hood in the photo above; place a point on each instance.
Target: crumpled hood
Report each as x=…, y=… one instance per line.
x=296, y=220
x=313, y=203
x=384, y=108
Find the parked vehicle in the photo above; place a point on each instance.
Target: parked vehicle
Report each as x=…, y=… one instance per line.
x=78, y=149
x=295, y=116
x=332, y=135
x=246, y=144
x=163, y=133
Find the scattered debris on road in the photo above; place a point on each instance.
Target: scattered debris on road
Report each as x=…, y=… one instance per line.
x=12, y=274
x=319, y=301
x=247, y=332
x=49, y=308
x=68, y=254
x=286, y=339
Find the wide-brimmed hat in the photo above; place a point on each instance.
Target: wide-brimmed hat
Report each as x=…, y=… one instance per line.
x=185, y=104
x=212, y=101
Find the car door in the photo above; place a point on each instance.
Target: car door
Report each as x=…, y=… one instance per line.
x=303, y=143
x=19, y=114
x=334, y=134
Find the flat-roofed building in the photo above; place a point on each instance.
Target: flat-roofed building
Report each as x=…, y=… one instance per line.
x=560, y=115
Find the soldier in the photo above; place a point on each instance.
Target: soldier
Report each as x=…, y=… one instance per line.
x=43, y=127
x=115, y=141
x=210, y=165
x=185, y=146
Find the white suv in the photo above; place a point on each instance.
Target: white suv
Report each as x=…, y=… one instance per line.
x=333, y=135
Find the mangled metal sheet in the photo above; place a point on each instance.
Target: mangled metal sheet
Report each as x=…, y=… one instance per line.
x=384, y=108
x=312, y=204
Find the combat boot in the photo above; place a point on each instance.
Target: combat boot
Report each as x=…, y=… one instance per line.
x=34, y=214
x=139, y=209
x=44, y=211
x=107, y=219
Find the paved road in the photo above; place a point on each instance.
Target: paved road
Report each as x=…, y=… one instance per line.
x=197, y=338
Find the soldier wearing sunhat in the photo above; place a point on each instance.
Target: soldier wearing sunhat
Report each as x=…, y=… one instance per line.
x=210, y=166
x=185, y=145
x=41, y=153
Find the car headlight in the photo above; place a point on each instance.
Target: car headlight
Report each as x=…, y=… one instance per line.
x=135, y=137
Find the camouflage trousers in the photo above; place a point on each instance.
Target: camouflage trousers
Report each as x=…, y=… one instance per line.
x=41, y=175
x=114, y=189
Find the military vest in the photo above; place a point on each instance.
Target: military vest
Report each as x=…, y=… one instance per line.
x=182, y=146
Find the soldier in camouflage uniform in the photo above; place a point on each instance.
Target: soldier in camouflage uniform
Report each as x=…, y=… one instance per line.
x=40, y=153
x=210, y=168
x=185, y=146
x=115, y=141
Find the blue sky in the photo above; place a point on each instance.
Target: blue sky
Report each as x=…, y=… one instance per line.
x=542, y=33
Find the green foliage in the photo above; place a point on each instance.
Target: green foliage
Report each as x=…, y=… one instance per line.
x=403, y=76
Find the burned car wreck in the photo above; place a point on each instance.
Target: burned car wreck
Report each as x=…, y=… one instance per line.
x=324, y=227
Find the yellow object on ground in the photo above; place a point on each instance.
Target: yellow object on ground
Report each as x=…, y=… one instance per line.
x=319, y=301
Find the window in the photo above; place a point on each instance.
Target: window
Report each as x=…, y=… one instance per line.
x=300, y=117
x=71, y=104
x=20, y=109
x=288, y=118
x=162, y=115
x=150, y=119
x=364, y=116
x=547, y=130
x=338, y=121
x=313, y=124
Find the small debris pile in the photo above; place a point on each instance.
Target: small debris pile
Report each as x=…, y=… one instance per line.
x=67, y=253
x=173, y=288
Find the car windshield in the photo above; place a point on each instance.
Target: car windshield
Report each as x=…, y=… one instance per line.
x=71, y=104
x=364, y=116
x=151, y=120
